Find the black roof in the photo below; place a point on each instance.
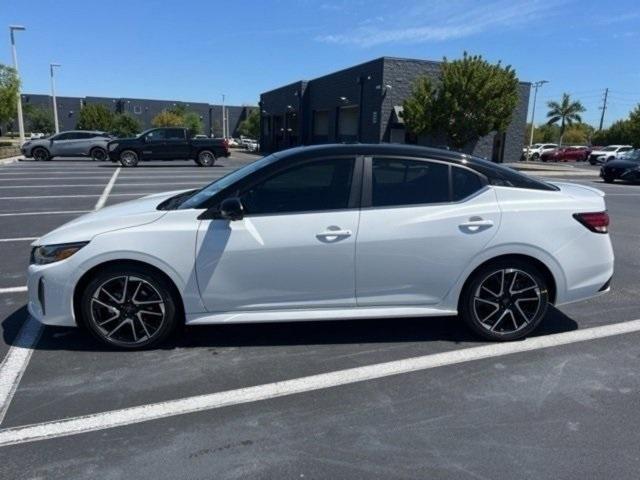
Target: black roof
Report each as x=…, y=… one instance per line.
x=496, y=173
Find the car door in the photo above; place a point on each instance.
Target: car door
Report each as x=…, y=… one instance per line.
x=176, y=144
x=295, y=246
x=59, y=144
x=154, y=145
x=422, y=222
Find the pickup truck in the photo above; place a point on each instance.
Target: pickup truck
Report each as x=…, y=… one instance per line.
x=169, y=143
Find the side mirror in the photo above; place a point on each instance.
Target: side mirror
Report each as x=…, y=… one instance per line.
x=231, y=209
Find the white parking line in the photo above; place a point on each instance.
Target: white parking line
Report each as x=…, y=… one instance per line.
x=62, y=212
x=88, y=195
x=107, y=190
x=91, y=177
x=154, y=411
x=19, y=239
x=13, y=289
x=151, y=184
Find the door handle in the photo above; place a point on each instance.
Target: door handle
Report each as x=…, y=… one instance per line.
x=333, y=233
x=475, y=225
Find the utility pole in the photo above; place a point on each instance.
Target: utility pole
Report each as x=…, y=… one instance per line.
x=603, y=108
x=12, y=29
x=53, y=96
x=536, y=85
x=224, y=131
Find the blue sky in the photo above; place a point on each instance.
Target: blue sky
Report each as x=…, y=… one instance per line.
x=196, y=50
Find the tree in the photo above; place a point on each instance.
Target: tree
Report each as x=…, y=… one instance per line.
x=95, y=116
x=192, y=122
x=566, y=112
x=250, y=126
x=167, y=119
x=39, y=119
x=9, y=88
x=125, y=125
x=471, y=99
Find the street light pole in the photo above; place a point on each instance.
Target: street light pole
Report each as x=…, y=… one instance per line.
x=12, y=29
x=53, y=96
x=536, y=85
x=224, y=132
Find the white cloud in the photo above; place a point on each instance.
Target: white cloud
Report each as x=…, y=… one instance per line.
x=443, y=20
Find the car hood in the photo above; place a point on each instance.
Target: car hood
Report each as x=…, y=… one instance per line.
x=622, y=163
x=123, y=215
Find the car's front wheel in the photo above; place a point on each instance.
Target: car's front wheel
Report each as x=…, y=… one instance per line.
x=40, y=154
x=98, y=154
x=206, y=158
x=608, y=178
x=128, y=158
x=535, y=156
x=505, y=300
x=129, y=307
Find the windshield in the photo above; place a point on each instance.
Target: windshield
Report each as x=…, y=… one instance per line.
x=609, y=149
x=204, y=194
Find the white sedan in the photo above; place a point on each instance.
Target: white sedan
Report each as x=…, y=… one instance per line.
x=329, y=232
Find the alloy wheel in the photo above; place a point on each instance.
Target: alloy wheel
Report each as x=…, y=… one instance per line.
x=127, y=310
x=128, y=158
x=206, y=158
x=506, y=301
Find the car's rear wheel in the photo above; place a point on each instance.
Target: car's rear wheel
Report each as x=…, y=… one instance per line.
x=129, y=307
x=206, y=158
x=535, y=156
x=608, y=179
x=98, y=154
x=40, y=154
x=506, y=300
x=128, y=158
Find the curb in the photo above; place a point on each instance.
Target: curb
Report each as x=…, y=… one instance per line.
x=10, y=160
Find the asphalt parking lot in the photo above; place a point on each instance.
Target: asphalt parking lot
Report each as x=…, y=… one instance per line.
x=453, y=407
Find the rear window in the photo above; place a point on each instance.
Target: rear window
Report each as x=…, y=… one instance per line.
x=507, y=177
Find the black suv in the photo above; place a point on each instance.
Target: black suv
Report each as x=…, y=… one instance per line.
x=167, y=144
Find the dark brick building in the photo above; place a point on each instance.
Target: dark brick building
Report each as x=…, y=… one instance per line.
x=143, y=110
x=364, y=103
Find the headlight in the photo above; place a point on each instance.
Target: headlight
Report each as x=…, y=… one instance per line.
x=45, y=254
x=112, y=146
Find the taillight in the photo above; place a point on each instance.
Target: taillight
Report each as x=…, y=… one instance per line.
x=225, y=142
x=597, y=222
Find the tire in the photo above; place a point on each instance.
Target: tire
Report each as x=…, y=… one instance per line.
x=128, y=158
x=40, y=154
x=206, y=158
x=535, y=156
x=608, y=179
x=98, y=154
x=490, y=289
x=129, y=307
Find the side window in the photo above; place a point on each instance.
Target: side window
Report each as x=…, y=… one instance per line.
x=64, y=136
x=174, y=134
x=313, y=186
x=464, y=183
x=408, y=182
x=155, y=135
x=84, y=135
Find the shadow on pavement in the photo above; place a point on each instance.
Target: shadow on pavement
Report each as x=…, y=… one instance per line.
x=449, y=329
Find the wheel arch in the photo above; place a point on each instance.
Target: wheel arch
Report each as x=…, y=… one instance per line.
x=536, y=262
x=88, y=275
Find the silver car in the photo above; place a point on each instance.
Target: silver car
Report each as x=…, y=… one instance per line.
x=73, y=143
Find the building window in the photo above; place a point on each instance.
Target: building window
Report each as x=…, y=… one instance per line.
x=292, y=128
x=348, y=119
x=320, y=126
x=137, y=109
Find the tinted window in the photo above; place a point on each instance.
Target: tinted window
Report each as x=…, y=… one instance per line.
x=155, y=135
x=314, y=186
x=464, y=182
x=64, y=136
x=408, y=182
x=174, y=134
x=84, y=135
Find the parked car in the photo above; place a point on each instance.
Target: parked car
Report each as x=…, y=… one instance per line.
x=73, y=143
x=232, y=142
x=565, y=154
x=625, y=168
x=35, y=135
x=167, y=144
x=245, y=141
x=329, y=232
x=537, y=149
x=606, y=154
x=253, y=146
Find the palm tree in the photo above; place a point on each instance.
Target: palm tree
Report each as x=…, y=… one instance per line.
x=567, y=112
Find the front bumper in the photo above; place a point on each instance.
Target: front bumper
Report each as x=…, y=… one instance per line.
x=51, y=293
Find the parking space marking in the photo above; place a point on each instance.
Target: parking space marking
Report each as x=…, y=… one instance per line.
x=104, y=177
x=13, y=289
x=100, y=185
x=198, y=403
x=107, y=190
x=19, y=239
x=16, y=361
x=18, y=214
x=88, y=195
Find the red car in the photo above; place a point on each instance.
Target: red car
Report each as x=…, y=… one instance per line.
x=566, y=154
